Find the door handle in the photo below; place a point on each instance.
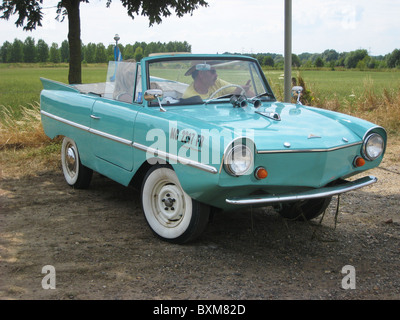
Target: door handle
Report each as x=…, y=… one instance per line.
x=94, y=117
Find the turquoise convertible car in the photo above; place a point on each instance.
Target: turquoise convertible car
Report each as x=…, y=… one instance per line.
x=199, y=132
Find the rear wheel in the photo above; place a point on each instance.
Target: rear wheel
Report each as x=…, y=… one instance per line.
x=172, y=214
x=305, y=209
x=76, y=174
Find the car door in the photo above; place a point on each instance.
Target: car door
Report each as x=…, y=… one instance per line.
x=112, y=132
x=113, y=118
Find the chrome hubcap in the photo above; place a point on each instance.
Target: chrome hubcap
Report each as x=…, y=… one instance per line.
x=70, y=160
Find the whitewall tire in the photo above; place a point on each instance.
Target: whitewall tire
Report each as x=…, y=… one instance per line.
x=172, y=214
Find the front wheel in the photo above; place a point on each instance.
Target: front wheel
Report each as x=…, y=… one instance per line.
x=305, y=209
x=76, y=174
x=172, y=214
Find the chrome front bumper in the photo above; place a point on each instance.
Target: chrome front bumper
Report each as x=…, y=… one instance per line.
x=310, y=194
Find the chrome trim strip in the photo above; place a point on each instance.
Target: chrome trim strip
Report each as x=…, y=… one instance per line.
x=85, y=128
x=71, y=123
x=309, y=150
x=310, y=194
x=372, y=129
x=111, y=137
x=173, y=157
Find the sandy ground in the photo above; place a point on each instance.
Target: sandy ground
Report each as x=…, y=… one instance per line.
x=100, y=247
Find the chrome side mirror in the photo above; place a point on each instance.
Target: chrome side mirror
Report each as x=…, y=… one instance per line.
x=298, y=90
x=153, y=94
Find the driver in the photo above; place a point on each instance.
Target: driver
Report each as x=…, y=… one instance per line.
x=206, y=82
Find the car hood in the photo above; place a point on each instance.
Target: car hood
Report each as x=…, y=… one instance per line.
x=277, y=126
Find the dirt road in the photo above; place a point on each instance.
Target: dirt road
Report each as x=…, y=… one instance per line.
x=100, y=247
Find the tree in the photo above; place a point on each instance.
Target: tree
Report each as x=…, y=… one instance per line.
x=296, y=61
x=393, y=59
x=29, y=50
x=330, y=55
x=30, y=16
x=90, y=52
x=138, y=53
x=154, y=47
x=64, y=51
x=100, y=55
x=17, y=52
x=54, y=54
x=5, y=51
x=42, y=51
x=268, y=61
x=354, y=57
x=110, y=52
x=319, y=63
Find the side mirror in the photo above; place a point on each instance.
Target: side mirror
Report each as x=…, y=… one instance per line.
x=153, y=94
x=298, y=90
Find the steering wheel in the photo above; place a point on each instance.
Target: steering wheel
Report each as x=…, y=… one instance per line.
x=225, y=87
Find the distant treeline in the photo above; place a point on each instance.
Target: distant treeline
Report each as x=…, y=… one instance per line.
x=29, y=51
x=359, y=59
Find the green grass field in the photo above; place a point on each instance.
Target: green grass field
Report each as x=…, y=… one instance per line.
x=341, y=84
x=20, y=84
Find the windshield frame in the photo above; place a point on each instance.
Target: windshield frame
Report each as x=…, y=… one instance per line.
x=266, y=88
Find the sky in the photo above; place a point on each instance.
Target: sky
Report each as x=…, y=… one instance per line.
x=236, y=26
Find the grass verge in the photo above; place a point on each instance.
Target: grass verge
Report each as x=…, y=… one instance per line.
x=25, y=150
x=22, y=131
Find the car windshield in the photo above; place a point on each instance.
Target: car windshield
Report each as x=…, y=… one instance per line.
x=202, y=80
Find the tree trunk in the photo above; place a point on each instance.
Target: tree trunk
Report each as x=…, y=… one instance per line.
x=74, y=39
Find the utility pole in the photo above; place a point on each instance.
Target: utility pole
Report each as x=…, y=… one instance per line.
x=288, y=50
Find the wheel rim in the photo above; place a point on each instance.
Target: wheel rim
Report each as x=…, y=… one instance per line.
x=168, y=204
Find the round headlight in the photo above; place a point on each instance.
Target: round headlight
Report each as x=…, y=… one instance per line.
x=238, y=160
x=373, y=146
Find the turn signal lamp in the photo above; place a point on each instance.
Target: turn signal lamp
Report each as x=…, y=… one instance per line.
x=260, y=173
x=359, y=162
